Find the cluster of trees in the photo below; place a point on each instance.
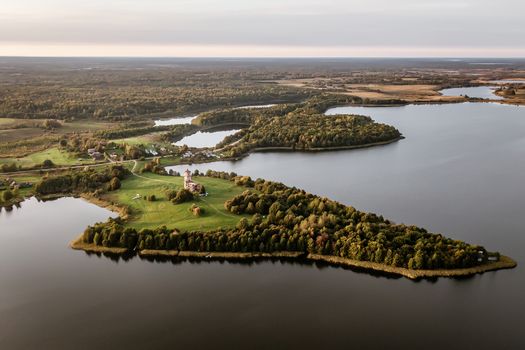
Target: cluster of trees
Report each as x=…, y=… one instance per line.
x=155, y=167
x=288, y=219
x=130, y=132
x=241, y=115
x=7, y=195
x=12, y=166
x=177, y=132
x=180, y=196
x=312, y=131
x=8, y=167
x=83, y=181
x=81, y=143
x=305, y=222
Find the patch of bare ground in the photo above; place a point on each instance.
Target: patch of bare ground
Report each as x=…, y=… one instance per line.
x=411, y=93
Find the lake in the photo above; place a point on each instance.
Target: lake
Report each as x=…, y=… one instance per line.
x=175, y=121
x=485, y=92
x=257, y=106
x=205, y=138
x=459, y=171
x=187, y=120
x=507, y=81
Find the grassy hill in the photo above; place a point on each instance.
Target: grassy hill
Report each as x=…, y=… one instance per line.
x=146, y=214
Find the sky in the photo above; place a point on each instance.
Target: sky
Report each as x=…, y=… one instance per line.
x=263, y=28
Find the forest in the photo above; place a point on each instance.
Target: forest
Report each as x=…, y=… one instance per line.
x=115, y=93
x=303, y=132
x=83, y=182
x=289, y=219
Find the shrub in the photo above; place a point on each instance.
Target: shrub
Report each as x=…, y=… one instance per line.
x=196, y=210
x=7, y=195
x=47, y=163
x=114, y=184
x=182, y=196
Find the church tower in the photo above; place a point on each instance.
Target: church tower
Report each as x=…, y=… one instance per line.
x=187, y=179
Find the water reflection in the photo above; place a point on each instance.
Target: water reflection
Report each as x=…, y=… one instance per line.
x=459, y=171
x=484, y=92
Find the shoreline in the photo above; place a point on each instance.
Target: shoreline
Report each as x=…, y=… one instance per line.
x=77, y=244
x=299, y=150
x=504, y=262
x=322, y=149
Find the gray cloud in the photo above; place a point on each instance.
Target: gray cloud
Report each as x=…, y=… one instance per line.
x=444, y=23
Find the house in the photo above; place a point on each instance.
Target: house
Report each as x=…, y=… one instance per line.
x=97, y=156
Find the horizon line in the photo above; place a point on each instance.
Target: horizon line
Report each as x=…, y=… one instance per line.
x=270, y=57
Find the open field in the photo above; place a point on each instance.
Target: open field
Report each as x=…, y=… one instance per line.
x=141, y=140
x=413, y=93
x=375, y=92
x=58, y=157
x=6, y=122
x=145, y=214
x=13, y=130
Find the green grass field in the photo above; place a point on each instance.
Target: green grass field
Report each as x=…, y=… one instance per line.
x=153, y=138
x=161, y=212
x=57, y=156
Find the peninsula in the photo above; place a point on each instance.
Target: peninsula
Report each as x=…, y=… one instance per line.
x=236, y=217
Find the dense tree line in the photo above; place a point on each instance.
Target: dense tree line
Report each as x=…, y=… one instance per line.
x=241, y=115
x=312, y=131
x=154, y=166
x=288, y=219
x=9, y=167
x=130, y=132
x=83, y=181
x=178, y=132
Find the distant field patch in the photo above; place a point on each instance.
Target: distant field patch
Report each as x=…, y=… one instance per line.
x=58, y=157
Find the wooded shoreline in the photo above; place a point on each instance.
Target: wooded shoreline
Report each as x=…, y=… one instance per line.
x=503, y=263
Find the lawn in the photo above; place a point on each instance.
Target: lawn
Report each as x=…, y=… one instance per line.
x=57, y=156
x=161, y=212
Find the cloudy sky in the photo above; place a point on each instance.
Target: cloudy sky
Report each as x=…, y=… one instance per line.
x=466, y=28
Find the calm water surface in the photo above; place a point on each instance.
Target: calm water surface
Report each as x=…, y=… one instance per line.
x=507, y=81
x=187, y=120
x=175, y=121
x=257, y=106
x=486, y=92
x=459, y=171
x=205, y=138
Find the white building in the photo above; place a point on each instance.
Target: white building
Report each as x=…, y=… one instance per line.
x=188, y=182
